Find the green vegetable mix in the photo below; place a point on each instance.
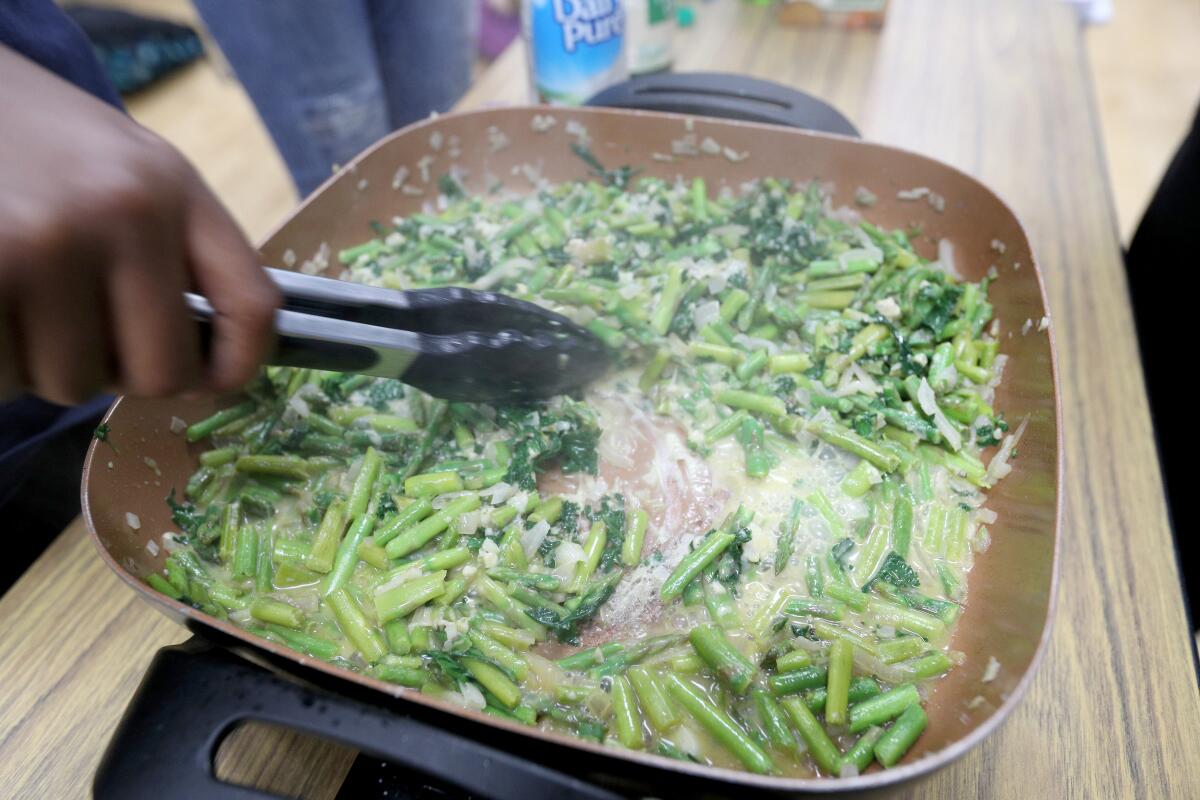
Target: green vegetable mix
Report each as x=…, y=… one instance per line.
x=788, y=457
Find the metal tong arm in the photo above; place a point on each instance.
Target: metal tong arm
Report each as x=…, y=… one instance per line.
x=319, y=327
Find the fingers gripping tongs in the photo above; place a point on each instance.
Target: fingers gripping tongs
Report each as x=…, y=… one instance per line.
x=454, y=343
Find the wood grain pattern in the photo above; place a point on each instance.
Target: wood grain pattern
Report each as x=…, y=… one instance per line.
x=1113, y=711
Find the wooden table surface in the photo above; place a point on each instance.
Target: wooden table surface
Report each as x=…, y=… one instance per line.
x=1000, y=90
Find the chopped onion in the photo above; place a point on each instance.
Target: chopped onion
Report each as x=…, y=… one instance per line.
x=985, y=515
x=443, y=500
x=177, y=425
x=132, y=520
x=998, y=467
x=468, y=522
x=991, y=671
x=732, y=229
x=532, y=538
x=501, y=272
x=498, y=492
x=489, y=553
x=472, y=697
x=928, y=402
x=152, y=547
x=566, y=556
x=946, y=257
x=706, y=313
x=298, y=407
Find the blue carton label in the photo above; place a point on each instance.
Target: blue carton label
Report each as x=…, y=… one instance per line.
x=577, y=47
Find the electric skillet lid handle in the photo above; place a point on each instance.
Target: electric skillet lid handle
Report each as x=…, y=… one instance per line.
x=194, y=694
x=727, y=96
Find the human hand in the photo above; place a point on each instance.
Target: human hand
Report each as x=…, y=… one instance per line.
x=103, y=226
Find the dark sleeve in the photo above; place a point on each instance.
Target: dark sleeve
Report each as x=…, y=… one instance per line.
x=1161, y=255
x=40, y=31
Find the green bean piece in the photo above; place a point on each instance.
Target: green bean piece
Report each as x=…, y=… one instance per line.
x=353, y=623
x=725, y=660
x=402, y=675
x=861, y=688
x=627, y=718
x=846, y=439
x=398, y=640
x=219, y=457
x=654, y=370
x=795, y=681
x=901, y=649
x=655, y=701
x=371, y=553
x=315, y=646
x=245, y=557
x=796, y=659
x=878, y=710
x=694, y=563
x=593, y=547
x=433, y=483
x=825, y=609
x=754, y=364
x=286, y=467
x=278, y=612
x=510, y=661
x=512, y=638
x=347, y=554
x=902, y=523
x=161, y=585
x=786, y=542
x=364, y=483
x=887, y=613
x=537, y=580
x=752, y=402
x=205, y=427
x=847, y=594
x=513, y=611
x=773, y=721
x=495, y=681
x=896, y=741
x=264, y=571
x=821, y=503
x=859, y=480
x=927, y=666
x=668, y=301
x=592, y=657
x=408, y=516
x=392, y=602
x=841, y=665
x=862, y=752
x=822, y=749
x=719, y=602
x=415, y=537
x=720, y=725
x=231, y=519
x=635, y=536
x=329, y=535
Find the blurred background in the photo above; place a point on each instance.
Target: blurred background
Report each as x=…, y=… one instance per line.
x=1144, y=58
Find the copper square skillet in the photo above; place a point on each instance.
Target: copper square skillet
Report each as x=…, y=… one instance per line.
x=196, y=693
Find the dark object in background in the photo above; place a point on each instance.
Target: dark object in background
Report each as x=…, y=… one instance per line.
x=1163, y=249
x=136, y=51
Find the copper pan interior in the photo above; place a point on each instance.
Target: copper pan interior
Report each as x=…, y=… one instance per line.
x=1011, y=586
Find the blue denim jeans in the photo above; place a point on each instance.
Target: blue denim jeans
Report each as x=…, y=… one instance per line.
x=330, y=77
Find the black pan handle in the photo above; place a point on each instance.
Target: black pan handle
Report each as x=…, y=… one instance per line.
x=195, y=693
x=719, y=94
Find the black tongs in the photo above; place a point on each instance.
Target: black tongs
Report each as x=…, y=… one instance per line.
x=453, y=343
